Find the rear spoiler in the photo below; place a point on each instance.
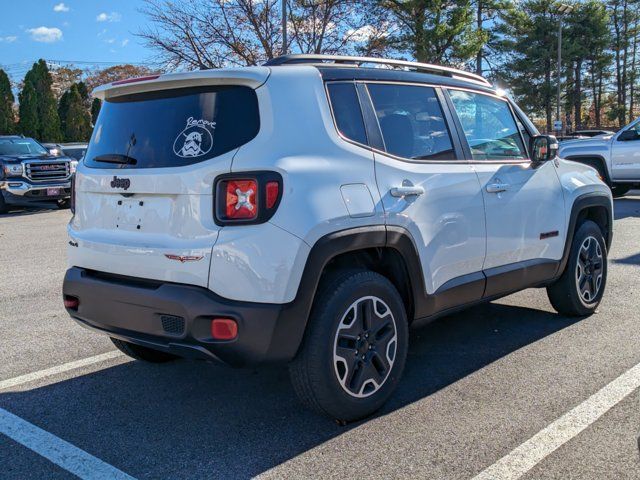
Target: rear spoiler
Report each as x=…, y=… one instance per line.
x=249, y=76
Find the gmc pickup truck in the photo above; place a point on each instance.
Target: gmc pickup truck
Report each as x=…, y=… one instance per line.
x=616, y=156
x=29, y=174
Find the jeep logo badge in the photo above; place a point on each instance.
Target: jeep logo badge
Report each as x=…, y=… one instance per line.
x=124, y=183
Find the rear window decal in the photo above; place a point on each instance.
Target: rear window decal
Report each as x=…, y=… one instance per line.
x=195, y=140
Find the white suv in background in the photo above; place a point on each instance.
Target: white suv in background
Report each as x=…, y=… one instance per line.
x=311, y=210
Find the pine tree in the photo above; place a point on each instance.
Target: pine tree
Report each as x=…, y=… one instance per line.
x=436, y=31
x=95, y=110
x=48, y=121
x=77, y=120
x=29, y=124
x=7, y=117
x=529, y=44
x=63, y=108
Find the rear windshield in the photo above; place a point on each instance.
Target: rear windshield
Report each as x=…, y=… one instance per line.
x=173, y=128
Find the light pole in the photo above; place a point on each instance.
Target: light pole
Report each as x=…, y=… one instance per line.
x=285, y=47
x=563, y=9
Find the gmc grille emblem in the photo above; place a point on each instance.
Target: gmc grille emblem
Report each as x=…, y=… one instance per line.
x=47, y=167
x=124, y=183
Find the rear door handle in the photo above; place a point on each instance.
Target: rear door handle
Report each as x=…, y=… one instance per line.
x=497, y=187
x=406, y=191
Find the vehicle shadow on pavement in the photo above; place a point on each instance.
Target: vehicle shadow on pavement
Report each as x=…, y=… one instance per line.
x=195, y=420
x=21, y=212
x=626, y=207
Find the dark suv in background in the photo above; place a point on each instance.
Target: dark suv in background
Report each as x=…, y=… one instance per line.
x=29, y=174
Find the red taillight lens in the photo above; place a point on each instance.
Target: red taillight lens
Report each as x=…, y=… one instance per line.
x=249, y=198
x=72, y=203
x=71, y=303
x=134, y=80
x=224, y=329
x=273, y=192
x=241, y=200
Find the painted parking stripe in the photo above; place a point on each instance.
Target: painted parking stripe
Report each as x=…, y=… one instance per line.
x=65, y=367
x=523, y=458
x=56, y=450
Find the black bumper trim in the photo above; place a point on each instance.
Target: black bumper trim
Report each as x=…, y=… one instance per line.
x=132, y=309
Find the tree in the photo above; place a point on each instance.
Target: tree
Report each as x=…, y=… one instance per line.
x=113, y=74
x=95, y=110
x=488, y=12
x=529, y=47
x=624, y=20
x=7, y=117
x=587, y=39
x=77, y=120
x=47, y=127
x=29, y=124
x=218, y=33
x=63, y=78
x=436, y=31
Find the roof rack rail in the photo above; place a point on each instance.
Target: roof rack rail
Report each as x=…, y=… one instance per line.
x=358, y=61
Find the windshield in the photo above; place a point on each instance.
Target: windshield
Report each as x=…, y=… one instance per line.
x=173, y=128
x=21, y=146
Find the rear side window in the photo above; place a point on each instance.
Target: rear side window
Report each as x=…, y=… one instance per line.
x=346, y=111
x=173, y=128
x=412, y=122
x=489, y=126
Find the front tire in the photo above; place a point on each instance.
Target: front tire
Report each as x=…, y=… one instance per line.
x=138, y=352
x=354, y=349
x=579, y=290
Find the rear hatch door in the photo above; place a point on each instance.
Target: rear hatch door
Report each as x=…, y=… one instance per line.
x=144, y=194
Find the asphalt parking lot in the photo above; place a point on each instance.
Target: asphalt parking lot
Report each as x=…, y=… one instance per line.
x=506, y=386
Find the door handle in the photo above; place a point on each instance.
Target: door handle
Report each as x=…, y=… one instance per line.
x=406, y=191
x=497, y=187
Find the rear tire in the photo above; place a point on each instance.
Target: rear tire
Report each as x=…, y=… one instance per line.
x=355, y=347
x=138, y=352
x=579, y=290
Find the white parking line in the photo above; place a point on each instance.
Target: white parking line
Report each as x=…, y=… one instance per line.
x=523, y=458
x=56, y=450
x=65, y=367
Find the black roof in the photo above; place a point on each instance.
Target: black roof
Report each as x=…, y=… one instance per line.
x=341, y=67
x=333, y=73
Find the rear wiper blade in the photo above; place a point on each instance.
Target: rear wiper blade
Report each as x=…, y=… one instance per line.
x=115, y=158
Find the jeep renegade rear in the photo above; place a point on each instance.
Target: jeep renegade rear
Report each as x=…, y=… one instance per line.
x=311, y=210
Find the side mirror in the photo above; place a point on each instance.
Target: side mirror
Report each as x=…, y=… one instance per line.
x=543, y=148
x=628, y=135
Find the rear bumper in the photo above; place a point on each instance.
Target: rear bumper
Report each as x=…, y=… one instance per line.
x=176, y=318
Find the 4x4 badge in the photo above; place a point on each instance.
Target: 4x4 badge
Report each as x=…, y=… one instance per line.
x=124, y=183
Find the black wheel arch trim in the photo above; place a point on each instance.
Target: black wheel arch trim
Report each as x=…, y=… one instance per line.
x=595, y=156
x=580, y=204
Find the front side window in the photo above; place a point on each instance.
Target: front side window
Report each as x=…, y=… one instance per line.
x=412, y=122
x=489, y=126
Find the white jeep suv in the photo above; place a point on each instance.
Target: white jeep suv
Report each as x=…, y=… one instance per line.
x=311, y=210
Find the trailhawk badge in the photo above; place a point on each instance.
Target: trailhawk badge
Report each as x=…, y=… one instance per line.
x=195, y=140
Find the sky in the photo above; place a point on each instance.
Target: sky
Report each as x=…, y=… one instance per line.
x=73, y=30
